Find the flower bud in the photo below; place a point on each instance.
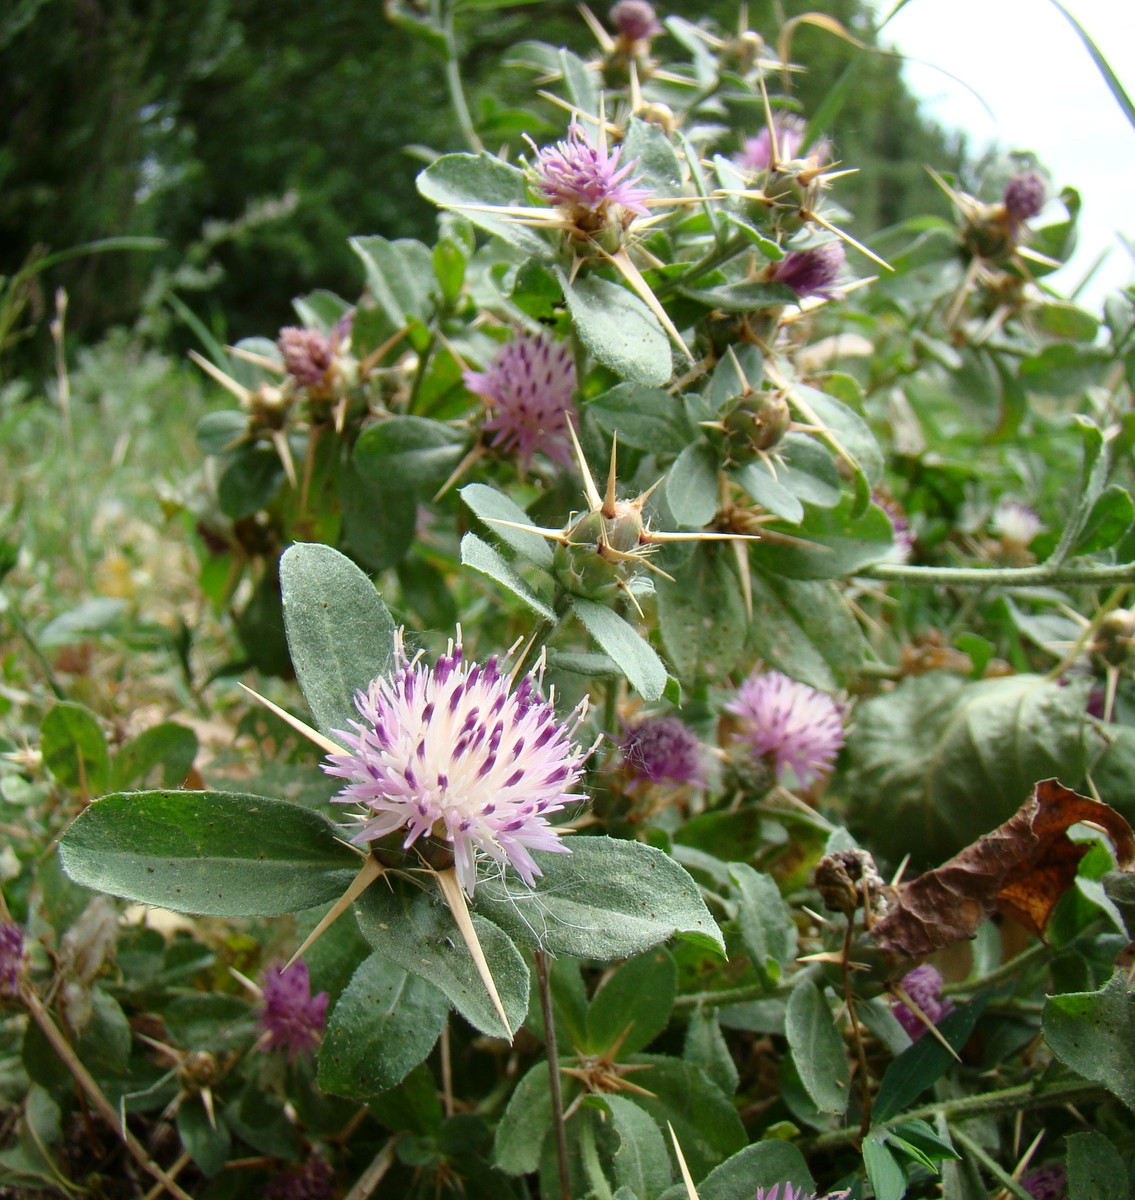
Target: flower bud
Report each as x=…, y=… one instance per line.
x=810, y=272
x=1115, y=637
x=845, y=877
x=635, y=20
x=755, y=424
x=1024, y=197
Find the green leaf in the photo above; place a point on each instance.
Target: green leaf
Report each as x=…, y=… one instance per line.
x=760, y=1166
x=91, y=618
x=378, y=521
x=408, y=452
x=1064, y=369
x=320, y=309
x=579, y=82
x=618, y=329
x=817, y=1048
x=836, y=543
x=608, y=899
x=919, y=1143
x=251, y=478
x=1093, y=1033
x=939, y=760
x=340, y=635
x=706, y=1047
x=765, y=489
x=209, y=1021
x=398, y=276
x=492, y=507
x=525, y=1123
x=633, y=1006
x=691, y=486
x=805, y=629
x=213, y=853
x=701, y=614
x=848, y=428
x=384, y=1024
x=924, y=1062
x=482, y=557
x=74, y=748
x=888, y=1179
x=1111, y=516
x=635, y=658
x=1062, y=320
x=168, y=747
x=641, y=1162
x=416, y=932
x=644, y=418
x=209, y=1146
x=1096, y=1170
x=461, y=180
x=656, y=163
x=767, y=928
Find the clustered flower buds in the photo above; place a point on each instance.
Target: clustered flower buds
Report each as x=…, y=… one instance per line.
x=291, y=1017
x=924, y=986
x=789, y=724
x=528, y=390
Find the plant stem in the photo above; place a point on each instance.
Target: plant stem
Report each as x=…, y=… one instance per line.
x=737, y=995
x=86, y=1081
x=703, y=266
x=453, y=82
x=553, y=1074
x=1008, y=577
x=995, y=1169
x=1006, y=970
x=373, y=1175
x=964, y=1108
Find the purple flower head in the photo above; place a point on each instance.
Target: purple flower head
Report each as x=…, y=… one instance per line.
x=662, y=750
x=450, y=752
x=1024, y=196
x=783, y=1191
x=756, y=154
x=635, y=20
x=924, y=986
x=578, y=175
x=811, y=272
x=311, y=1181
x=789, y=723
x=1046, y=1183
x=528, y=389
x=11, y=959
x=292, y=1018
x=308, y=355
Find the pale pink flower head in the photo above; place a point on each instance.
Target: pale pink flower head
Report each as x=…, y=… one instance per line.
x=924, y=986
x=783, y=1191
x=528, y=390
x=586, y=181
x=11, y=959
x=662, y=750
x=450, y=752
x=291, y=1017
x=812, y=272
x=635, y=20
x=1016, y=524
x=756, y=154
x=790, y=724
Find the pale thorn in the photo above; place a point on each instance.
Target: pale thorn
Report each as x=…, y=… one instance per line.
x=633, y=276
x=774, y=146
x=280, y=441
x=455, y=898
x=741, y=553
x=242, y=978
x=606, y=42
x=376, y=356
x=810, y=414
x=553, y=535
x=649, y=492
x=819, y=918
x=687, y=1178
x=206, y=1094
x=609, y=500
x=312, y=735
x=898, y=990
x=590, y=491
x=340, y=414
x=257, y=360
x=371, y=870
x=243, y=394
x=601, y=124
x=846, y=237
x=703, y=536
x=622, y=586
x=900, y=871
x=741, y=380
x=464, y=465
x=1037, y=257
x=834, y=957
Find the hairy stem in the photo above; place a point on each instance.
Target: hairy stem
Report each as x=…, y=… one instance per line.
x=553, y=1074
x=453, y=83
x=1008, y=577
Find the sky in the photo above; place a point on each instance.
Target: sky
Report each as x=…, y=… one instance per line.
x=1044, y=94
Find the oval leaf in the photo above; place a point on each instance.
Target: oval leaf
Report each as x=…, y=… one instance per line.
x=636, y=659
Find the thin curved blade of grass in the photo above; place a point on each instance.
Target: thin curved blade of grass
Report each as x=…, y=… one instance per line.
x=1110, y=78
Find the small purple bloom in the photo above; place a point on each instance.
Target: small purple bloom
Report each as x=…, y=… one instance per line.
x=1024, y=196
x=311, y=1181
x=662, y=750
x=810, y=272
x=576, y=174
x=756, y=154
x=1016, y=524
x=783, y=1191
x=1046, y=1183
x=924, y=986
x=635, y=20
x=790, y=723
x=903, y=545
x=308, y=355
x=451, y=752
x=528, y=389
x=291, y=1017
x=11, y=959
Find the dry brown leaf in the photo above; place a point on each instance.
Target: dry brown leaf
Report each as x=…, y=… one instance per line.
x=1021, y=869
